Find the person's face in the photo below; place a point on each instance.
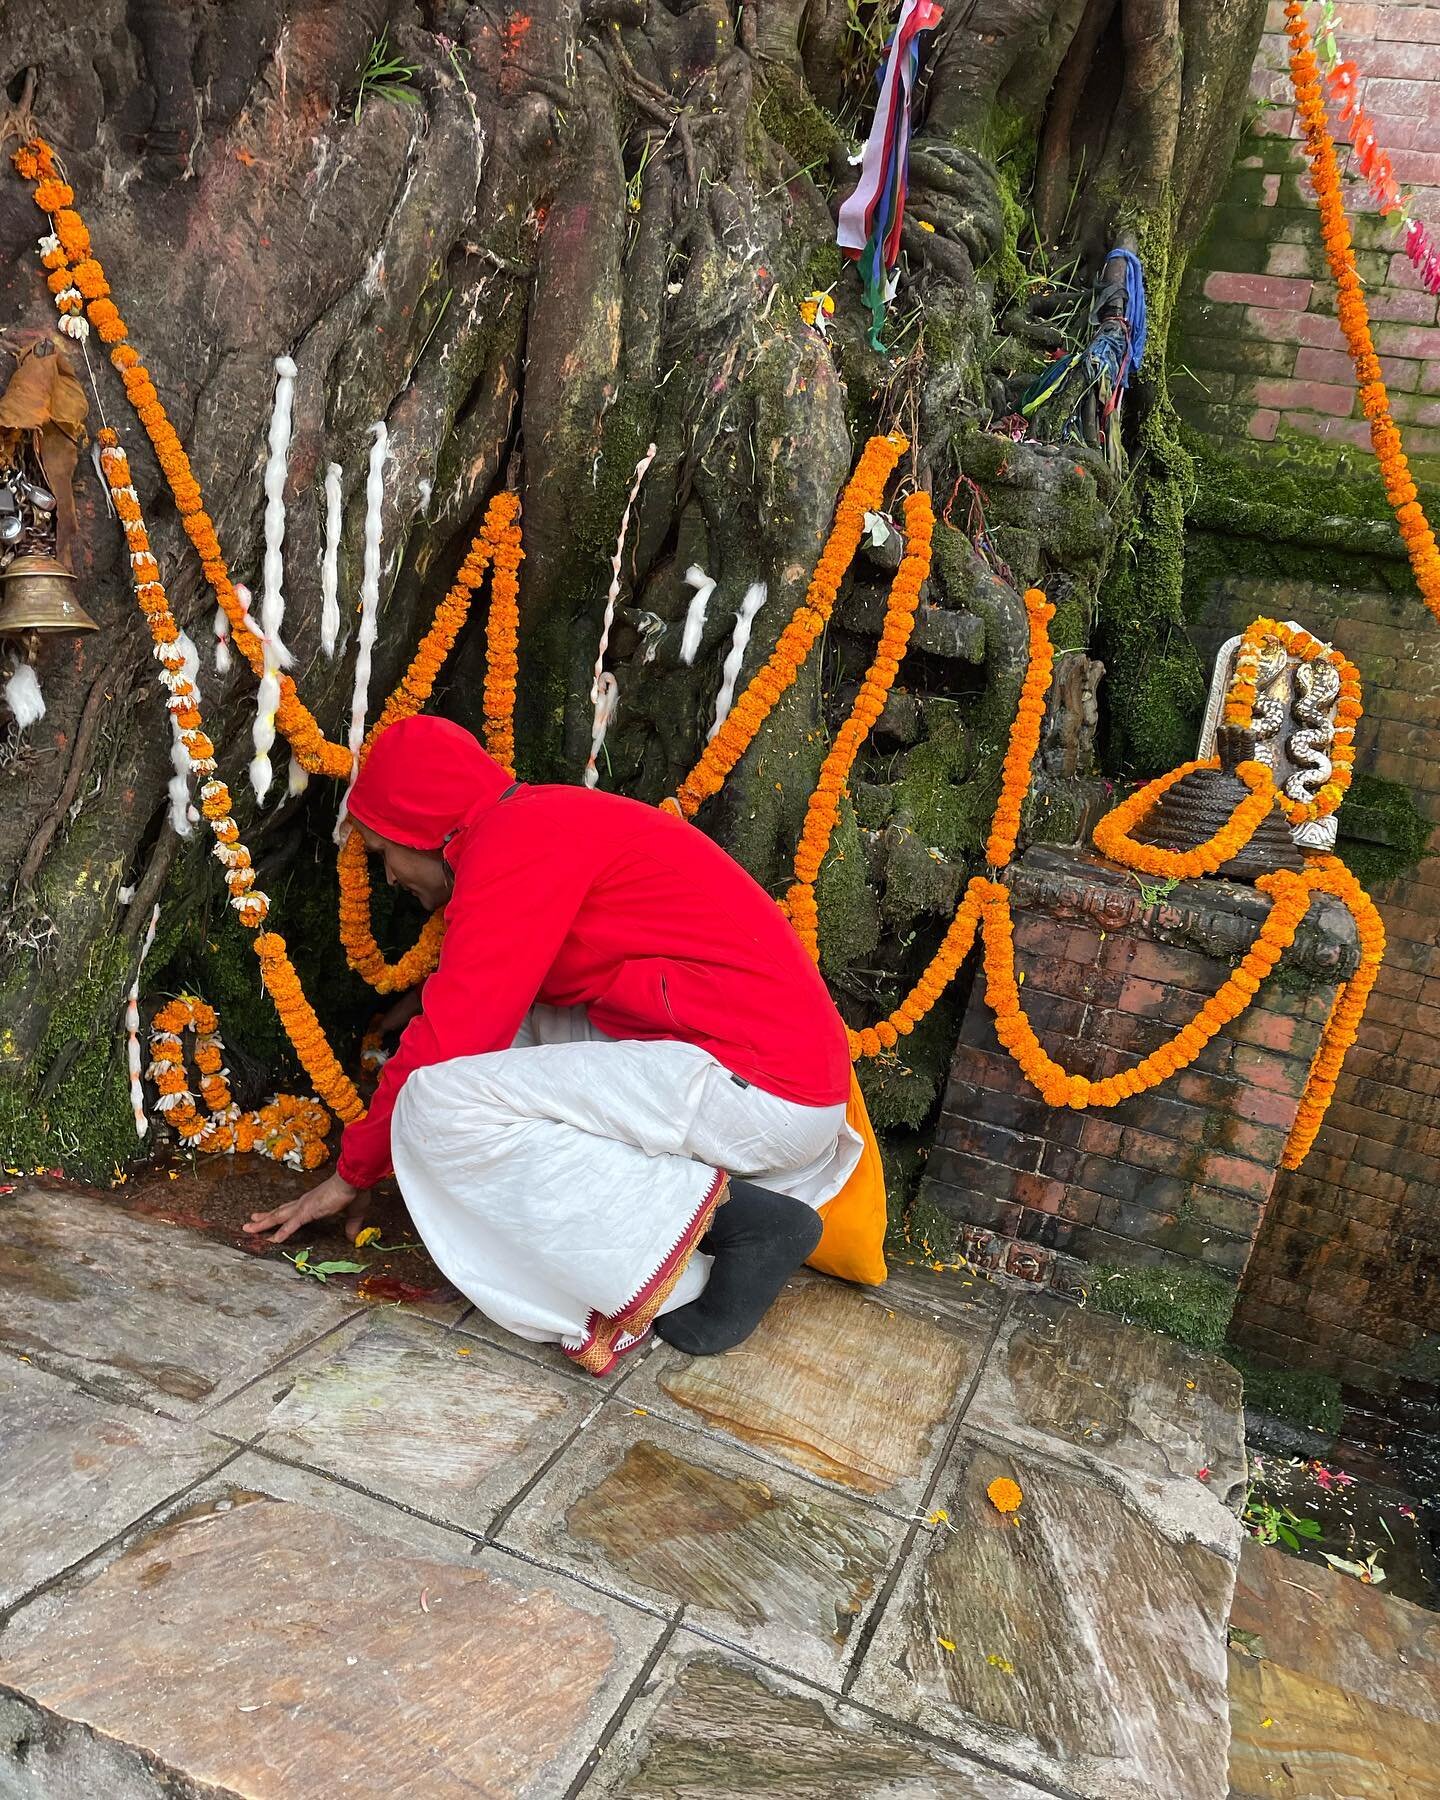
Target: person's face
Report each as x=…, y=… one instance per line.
x=423, y=873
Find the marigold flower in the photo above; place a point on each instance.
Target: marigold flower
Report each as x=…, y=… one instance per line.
x=1004, y=1495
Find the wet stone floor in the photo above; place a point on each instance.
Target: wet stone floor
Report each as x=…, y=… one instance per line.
x=269, y=1536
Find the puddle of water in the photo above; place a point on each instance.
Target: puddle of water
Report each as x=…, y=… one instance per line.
x=1363, y=1519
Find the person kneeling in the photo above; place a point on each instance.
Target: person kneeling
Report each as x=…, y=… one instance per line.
x=621, y=1097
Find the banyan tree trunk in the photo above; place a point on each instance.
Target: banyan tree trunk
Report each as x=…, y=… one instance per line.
x=575, y=230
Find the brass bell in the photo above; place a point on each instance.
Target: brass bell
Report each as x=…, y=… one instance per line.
x=39, y=596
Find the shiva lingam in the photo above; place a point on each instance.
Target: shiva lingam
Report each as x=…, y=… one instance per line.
x=1293, y=721
x=1201, y=804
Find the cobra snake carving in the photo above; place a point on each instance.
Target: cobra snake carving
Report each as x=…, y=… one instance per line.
x=1267, y=716
x=1317, y=687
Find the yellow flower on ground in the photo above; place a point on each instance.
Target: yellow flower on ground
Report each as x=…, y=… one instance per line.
x=370, y=1235
x=1004, y=1495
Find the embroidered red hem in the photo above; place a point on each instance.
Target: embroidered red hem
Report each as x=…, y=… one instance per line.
x=599, y=1352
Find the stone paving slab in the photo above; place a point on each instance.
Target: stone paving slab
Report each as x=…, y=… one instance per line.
x=1070, y=1640
x=1140, y=1409
x=144, y=1311
x=759, y=1558
x=74, y=1472
x=711, y=1727
x=835, y=1383
x=430, y=1419
x=1334, y=1686
x=277, y=1650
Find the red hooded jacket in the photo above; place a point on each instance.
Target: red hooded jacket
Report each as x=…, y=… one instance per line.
x=578, y=898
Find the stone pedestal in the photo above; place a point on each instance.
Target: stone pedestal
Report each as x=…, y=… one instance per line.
x=1177, y=1176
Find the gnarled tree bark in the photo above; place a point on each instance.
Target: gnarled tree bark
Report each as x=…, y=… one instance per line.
x=589, y=230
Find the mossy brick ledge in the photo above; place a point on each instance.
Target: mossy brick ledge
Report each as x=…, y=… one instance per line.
x=1176, y=1179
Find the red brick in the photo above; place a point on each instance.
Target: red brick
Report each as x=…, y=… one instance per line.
x=1329, y=429
x=1419, y=341
x=1039, y=1192
x=1238, y=1175
x=1259, y=290
x=1277, y=326
x=1406, y=24
x=1396, y=57
x=1414, y=307
x=1398, y=95
x=1308, y=396
x=1263, y=423
x=1402, y=375
x=1263, y=1068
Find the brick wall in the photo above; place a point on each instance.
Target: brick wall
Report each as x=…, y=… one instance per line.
x=1259, y=351
x=1178, y=1176
x=1345, y=1274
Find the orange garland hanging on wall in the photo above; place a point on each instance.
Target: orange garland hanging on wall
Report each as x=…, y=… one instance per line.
x=496, y=546
x=252, y=906
x=822, y=814
x=864, y=492
x=1354, y=314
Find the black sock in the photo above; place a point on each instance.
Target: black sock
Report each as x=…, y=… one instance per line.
x=758, y=1240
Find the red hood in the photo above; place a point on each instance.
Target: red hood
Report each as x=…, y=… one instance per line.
x=424, y=780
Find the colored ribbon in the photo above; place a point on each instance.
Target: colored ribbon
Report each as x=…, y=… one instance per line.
x=872, y=216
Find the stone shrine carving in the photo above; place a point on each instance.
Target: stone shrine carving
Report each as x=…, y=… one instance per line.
x=1293, y=726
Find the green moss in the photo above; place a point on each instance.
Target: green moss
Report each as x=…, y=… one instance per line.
x=84, y=1123
x=1190, y=1304
x=792, y=118
x=849, y=917
x=1383, y=835
x=821, y=270
x=1070, y=628
x=1302, y=1397
x=901, y=1089
x=945, y=810
x=918, y=1227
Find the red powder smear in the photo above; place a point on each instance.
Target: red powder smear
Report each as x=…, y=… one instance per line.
x=391, y=1287
x=516, y=26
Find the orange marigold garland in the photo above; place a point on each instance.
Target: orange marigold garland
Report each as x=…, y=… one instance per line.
x=251, y=905
x=1112, y=835
x=1329, y=875
x=864, y=492
x=496, y=546
x=1241, y=696
x=1290, y=893
x=823, y=811
x=1353, y=313
x=502, y=634
x=289, y=1129
x=81, y=281
x=1024, y=733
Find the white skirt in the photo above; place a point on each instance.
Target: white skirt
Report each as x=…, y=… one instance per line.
x=564, y=1184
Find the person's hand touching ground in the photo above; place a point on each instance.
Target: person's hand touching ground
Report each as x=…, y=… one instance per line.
x=333, y=1195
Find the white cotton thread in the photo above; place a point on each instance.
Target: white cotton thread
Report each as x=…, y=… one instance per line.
x=182, y=813
x=704, y=586
x=369, y=607
x=609, y=691
x=755, y=596
x=330, y=563
x=222, y=642
x=132, y=1027
x=272, y=584
x=604, y=698
x=23, y=694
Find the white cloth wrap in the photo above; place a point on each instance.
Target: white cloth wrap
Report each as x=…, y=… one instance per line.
x=552, y=1180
